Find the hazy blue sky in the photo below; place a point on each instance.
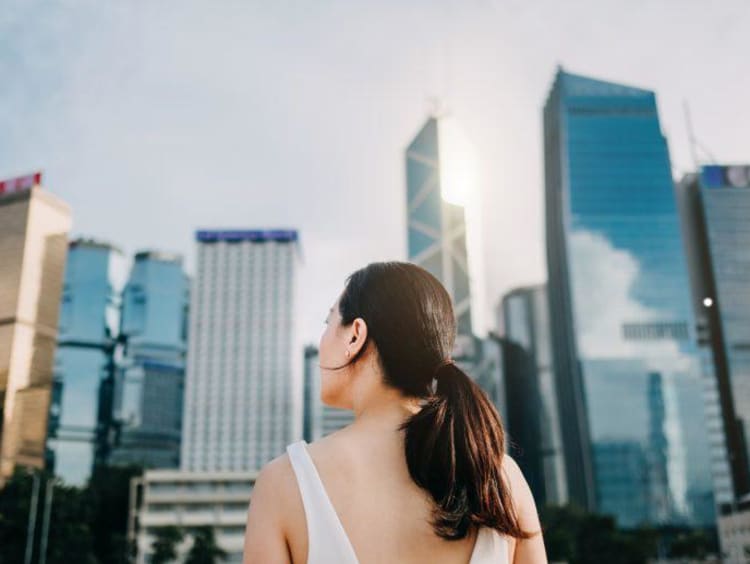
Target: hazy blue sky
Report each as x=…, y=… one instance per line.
x=156, y=118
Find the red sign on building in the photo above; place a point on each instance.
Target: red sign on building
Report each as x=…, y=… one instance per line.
x=20, y=183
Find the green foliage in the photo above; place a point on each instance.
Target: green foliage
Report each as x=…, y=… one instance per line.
x=165, y=544
x=87, y=525
x=574, y=536
x=205, y=549
x=108, y=494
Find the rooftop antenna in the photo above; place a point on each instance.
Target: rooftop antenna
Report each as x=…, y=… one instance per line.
x=694, y=143
x=438, y=102
x=436, y=106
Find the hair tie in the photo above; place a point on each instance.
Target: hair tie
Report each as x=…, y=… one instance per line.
x=446, y=362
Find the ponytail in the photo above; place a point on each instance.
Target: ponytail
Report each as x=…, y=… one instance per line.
x=454, y=450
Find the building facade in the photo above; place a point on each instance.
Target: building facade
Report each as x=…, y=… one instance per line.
x=239, y=406
x=188, y=500
x=240, y=397
x=715, y=206
x=535, y=423
x=437, y=236
x=79, y=419
x=623, y=340
x=734, y=533
x=34, y=228
x=151, y=373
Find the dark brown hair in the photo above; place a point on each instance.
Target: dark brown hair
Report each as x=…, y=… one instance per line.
x=455, y=444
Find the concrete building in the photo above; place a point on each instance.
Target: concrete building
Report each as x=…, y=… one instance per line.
x=241, y=400
x=734, y=533
x=34, y=226
x=188, y=500
x=241, y=405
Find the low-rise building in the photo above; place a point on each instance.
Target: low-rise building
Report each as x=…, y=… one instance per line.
x=189, y=500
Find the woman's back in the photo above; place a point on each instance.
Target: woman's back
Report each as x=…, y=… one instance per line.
x=421, y=474
x=376, y=512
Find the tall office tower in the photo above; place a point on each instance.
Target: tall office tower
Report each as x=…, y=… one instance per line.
x=436, y=226
x=628, y=378
x=34, y=227
x=79, y=420
x=489, y=370
x=150, y=378
x=715, y=207
x=525, y=314
x=240, y=396
x=319, y=419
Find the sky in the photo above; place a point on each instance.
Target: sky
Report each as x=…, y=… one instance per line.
x=154, y=119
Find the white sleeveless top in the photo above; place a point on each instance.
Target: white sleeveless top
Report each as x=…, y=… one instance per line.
x=327, y=541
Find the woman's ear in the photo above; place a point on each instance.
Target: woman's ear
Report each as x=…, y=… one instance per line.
x=358, y=336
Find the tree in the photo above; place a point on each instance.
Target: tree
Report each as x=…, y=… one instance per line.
x=574, y=536
x=204, y=549
x=70, y=538
x=165, y=544
x=107, y=495
x=694, y=543
x=560, y=526
x=14, y=513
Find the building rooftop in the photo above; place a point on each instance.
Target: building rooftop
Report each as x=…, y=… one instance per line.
x=91, y=243
x=256, y=235
x=160, y=256
x=725, y=176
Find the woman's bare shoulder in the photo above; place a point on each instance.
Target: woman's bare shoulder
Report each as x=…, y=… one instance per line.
x=278, y=475
x=267, y=520
x=274, y=484
x=530, y=550
x=523, y=499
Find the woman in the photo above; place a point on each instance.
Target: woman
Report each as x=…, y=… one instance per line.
x=420, y=475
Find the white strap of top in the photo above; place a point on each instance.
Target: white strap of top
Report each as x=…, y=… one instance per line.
x=327, y=540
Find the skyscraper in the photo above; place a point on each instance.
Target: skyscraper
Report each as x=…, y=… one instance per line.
x=79, y=420
x=150, y=378
x=628, y=380
x=241, y=405
x=715, y=207
x=534, y=420
x=490, y=369
x=34, y=227
x=437, y=227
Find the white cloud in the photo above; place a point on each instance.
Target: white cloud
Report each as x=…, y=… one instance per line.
x=603, y=278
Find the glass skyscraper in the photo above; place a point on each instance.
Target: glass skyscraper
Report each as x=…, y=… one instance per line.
x=534, y=421
x=715, y=207
x=624, y=355
x=437, y=227
x=79, y=420
x=150, y=376
x=489, y=370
